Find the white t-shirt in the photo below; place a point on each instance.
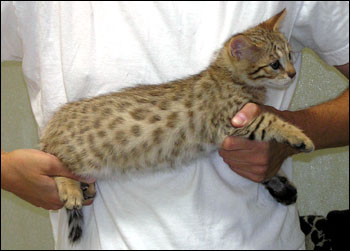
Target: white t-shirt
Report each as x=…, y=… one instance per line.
x=74, y=50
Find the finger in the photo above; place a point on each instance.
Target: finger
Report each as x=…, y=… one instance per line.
x=261, y=170
x=56, y=168
x=48, y=204
x=53, y=205
x=245, y=115
x=248, y=175
x=245, y=157
x=88, y=202
x=239, y=143
x=235, y=143
x=51, y=197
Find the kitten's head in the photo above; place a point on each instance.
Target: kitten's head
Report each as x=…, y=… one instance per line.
x=261, y=56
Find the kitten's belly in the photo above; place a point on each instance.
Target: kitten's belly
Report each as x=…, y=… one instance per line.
x=146, y=165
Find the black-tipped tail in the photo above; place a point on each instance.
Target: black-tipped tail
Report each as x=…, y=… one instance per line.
x=75, y=224
x=281, y=190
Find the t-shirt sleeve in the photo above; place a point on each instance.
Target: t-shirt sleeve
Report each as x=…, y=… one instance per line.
x=323, y=26
x=11, y=44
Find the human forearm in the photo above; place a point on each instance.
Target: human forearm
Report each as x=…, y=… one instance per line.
x=3, y=176
x=28, y=174
x=326, y=124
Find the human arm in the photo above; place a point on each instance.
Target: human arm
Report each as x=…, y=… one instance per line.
x=29, y=173
x=326, y=124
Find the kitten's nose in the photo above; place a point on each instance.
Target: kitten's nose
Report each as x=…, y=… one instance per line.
x=292, y=74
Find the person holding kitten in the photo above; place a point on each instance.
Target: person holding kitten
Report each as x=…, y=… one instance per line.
x=75, y=50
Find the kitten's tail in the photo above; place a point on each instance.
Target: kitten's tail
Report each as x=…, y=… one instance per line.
x=75, y=224
x=281, y=190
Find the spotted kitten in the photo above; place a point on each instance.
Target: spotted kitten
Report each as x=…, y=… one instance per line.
x=161, y=126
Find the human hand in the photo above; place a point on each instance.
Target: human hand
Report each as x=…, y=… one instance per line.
x=28, y=173
x=254, y=160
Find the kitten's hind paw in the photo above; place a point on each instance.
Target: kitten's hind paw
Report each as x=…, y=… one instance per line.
x=281, y=190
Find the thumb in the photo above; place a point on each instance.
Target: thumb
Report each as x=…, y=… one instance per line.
x=245, y=115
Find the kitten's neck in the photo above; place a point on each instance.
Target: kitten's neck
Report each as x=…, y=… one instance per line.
x=226, y=78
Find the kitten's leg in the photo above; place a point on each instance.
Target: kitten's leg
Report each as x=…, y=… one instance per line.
x=281, y=189
x=267, y=127
x=71, y=194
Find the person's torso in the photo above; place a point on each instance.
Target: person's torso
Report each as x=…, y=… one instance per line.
x=84, y=49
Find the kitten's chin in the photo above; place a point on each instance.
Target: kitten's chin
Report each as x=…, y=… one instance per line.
x=280, y=84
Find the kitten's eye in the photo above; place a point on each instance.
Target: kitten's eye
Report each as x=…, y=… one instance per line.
x=290, y=56
x=275, y=65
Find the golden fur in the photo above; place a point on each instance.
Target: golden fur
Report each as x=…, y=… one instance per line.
x=161, y=126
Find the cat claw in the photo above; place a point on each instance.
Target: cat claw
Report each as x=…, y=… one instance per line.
x=303, y=144
x=302, y=147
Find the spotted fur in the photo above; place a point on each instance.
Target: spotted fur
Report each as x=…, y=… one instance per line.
x=162, y=126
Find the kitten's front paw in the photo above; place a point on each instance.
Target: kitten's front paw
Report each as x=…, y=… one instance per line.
x=301, y=143
x=281, y=190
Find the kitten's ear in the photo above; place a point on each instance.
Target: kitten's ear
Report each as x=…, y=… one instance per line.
x=241, y=48
x=274, y=22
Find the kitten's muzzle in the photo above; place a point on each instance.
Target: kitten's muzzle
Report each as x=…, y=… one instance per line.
x=292, y=74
